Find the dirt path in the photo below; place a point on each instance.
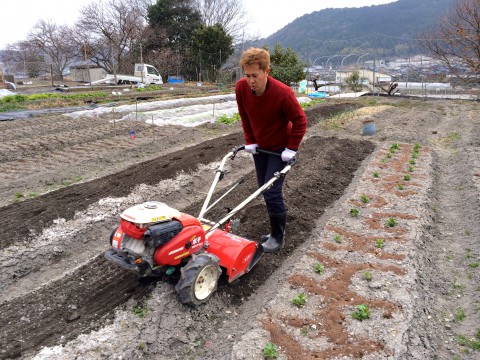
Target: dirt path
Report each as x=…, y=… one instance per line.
x=56, y=290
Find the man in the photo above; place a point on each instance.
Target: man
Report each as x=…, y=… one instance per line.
x=272, y=119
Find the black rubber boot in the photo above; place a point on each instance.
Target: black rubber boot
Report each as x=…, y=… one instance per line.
x=276, y=240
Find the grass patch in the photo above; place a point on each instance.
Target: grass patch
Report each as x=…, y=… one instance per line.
x=470, y=343
x=460, y=314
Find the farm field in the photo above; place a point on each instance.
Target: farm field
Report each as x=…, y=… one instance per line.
x=388, y=222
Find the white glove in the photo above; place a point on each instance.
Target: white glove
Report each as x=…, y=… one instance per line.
x=251, y=149
x=287, y=155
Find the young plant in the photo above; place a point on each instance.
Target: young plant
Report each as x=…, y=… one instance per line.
x=375, y=174
x=395, y=146
x=411, y=162
x=460, y=314
x=270, y=351
x=337, y=238
x=410, y=168
x=18, y=195
x=406, y=177
x=391, y=222
x=367, y=275
x=471, y=343
x=362, y=312
x=304, y=330
x=299, y=300
x=389, y=156
x=379, y=243
x=319, y=268
x=364, y=199
x=400, y=187
x=354, y=212
x=140, y=311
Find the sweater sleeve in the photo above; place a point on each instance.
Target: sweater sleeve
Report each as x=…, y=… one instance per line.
x=247, y=128
x=297, y=117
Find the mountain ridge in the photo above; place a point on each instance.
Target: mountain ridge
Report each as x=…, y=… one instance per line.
x=389, y=30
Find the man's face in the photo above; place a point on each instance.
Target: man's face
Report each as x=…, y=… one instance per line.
x=256, y=78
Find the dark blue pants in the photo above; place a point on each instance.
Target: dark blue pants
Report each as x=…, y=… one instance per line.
x=266, y=165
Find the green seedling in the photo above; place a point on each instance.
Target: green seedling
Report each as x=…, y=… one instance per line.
x=375, y=174
x=229, y=120
x=354, y=212
x=394, y=148
x=389, y=156
x=367, y=275
x=304, y=330
x=391, y=222
x=468, y=342
x=319, y=268
x=406, y=177
x=410, y=168
x=18, y=195
x=33, y=195
x=299, y=300
x=460, y=314
x=412, y=162
x=337, y=238
x=400, y=187
x=362, y=312
x=414, y=155
x=364, y=199
x=379, y=243
x=270, y=351
x=140, y=311
x=474, y=265
x=416, y=147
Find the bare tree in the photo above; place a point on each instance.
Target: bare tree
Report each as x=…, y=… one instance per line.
x=111, y=29
x=456, y=41
x=23, y=57
x=55, y=42
x=231, y=14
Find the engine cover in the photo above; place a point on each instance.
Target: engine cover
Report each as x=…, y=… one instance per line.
x=149, y=212
x=159, y=234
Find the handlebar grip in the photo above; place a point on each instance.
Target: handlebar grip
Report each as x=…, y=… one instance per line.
x=268, y=152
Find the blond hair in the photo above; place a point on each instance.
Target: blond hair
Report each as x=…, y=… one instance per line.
x=256, y=56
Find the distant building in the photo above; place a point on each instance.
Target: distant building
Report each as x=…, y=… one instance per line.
x=366, y=76
x=87, y=73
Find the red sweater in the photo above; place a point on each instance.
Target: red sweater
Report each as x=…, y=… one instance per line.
x=275, y=120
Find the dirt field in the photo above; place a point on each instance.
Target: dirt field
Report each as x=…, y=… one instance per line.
x=64, y=182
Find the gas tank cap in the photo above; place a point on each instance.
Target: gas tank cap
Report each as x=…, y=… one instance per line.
x=150, y=205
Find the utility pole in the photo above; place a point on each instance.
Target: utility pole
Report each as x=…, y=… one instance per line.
x=141, y=61
x=87, y=65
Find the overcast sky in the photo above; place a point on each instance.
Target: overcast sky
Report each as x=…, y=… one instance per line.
x=266, y=16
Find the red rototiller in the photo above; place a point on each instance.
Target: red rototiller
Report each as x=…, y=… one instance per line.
x=153, y=238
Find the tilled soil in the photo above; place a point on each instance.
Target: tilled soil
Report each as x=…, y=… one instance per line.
x=58, y=286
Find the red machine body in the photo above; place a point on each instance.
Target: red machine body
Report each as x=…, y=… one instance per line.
x=153, y=237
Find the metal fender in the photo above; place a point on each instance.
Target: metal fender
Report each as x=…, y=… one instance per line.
x=237, y=255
